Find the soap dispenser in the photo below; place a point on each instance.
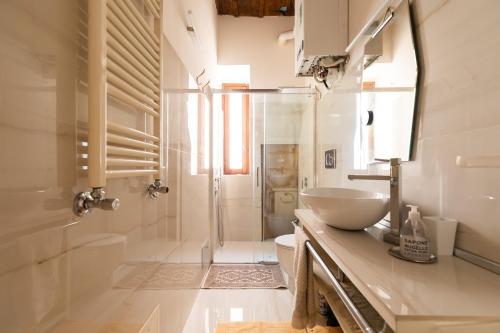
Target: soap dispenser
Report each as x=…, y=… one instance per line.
x=414, y=245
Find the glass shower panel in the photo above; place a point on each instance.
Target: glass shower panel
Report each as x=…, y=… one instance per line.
x=188, y=177
x=288, y=151
x=237, y=211
x=257, y=205
x=306, y=142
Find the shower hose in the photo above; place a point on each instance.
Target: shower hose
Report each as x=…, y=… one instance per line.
x=220, y=224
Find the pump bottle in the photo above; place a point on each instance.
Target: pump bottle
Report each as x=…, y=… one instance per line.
x=414, y=244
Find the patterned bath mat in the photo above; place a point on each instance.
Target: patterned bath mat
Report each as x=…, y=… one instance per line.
x=265, y=327
x=137, y=274
x=175, y=276
x=150, y=276
x=244, y=276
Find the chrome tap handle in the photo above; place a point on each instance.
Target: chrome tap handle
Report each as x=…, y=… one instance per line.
x=155, y=189
x=84, y=202
x=153, y=193
x=109, y=204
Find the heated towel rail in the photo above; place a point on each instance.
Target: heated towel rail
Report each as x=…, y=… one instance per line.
x=124, y=64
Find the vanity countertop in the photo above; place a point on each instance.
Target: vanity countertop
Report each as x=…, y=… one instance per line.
x=399, y=290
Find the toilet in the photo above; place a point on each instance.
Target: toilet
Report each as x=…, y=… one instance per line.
x=285, y=249
x=277, y=219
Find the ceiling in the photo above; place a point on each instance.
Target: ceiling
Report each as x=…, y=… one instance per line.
x=256, y=8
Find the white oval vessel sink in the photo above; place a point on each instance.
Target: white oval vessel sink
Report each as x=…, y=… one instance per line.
x=346, y=208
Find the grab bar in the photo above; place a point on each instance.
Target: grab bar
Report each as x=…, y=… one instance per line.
x=351, y=307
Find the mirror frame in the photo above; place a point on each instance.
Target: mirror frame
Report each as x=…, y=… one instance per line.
x=416, y=102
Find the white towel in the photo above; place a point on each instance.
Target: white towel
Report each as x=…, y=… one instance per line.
x=304, y=302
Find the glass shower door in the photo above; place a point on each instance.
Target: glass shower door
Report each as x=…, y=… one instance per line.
x=288, y=155
x=188, y=175
x=257, y=202
x=237, y=205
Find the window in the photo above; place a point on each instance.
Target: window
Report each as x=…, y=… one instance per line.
x=236, y=137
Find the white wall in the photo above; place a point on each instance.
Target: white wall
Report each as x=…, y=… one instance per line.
x=201, y=51
x=253, y=41
x=57, y=270
x=458, y=108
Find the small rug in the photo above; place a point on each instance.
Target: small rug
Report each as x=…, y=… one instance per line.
x=175, y=276
x=244, y=276
x=267, y=327
x=150, y=276
x=138, y=274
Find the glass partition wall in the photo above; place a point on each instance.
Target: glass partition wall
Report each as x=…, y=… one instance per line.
x=237, y=161
x=189, y=203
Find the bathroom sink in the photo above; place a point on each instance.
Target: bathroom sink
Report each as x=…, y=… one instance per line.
x=346, y=208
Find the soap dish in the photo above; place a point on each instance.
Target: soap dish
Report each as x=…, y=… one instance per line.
x=396, y=252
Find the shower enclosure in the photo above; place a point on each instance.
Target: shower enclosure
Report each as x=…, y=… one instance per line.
x=187, y=151
x=256, y=149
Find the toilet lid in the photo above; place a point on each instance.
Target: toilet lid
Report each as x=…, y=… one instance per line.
x=286, y=241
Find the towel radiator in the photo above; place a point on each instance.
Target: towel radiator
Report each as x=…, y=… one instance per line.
x=125, y=65
x=343, y=295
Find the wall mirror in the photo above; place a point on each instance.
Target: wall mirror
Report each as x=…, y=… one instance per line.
x=389, y=88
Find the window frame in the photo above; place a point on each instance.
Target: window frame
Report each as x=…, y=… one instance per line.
x=245, y=169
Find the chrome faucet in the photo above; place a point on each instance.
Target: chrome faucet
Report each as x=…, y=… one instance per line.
x=156, y=188
x=394, y=179
x=85, y=201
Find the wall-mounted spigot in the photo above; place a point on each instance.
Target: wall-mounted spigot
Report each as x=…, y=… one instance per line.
x=156, y=189
x=85, y=201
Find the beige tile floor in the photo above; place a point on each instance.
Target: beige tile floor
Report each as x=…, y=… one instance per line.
x=233, y=305
x=145, y=282
x=199, y=311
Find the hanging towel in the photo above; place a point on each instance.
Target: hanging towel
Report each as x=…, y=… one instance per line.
x=304, y=302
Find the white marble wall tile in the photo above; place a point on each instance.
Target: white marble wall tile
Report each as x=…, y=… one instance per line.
x=54, y=265
x=459, y=42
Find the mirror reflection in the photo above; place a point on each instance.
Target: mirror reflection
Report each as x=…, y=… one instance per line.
x=389, y=88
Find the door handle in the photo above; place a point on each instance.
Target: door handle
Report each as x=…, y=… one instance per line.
x=257, y=173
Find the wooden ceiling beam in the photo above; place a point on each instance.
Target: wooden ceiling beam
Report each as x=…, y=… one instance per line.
x=255, y=8
x=261, y=8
